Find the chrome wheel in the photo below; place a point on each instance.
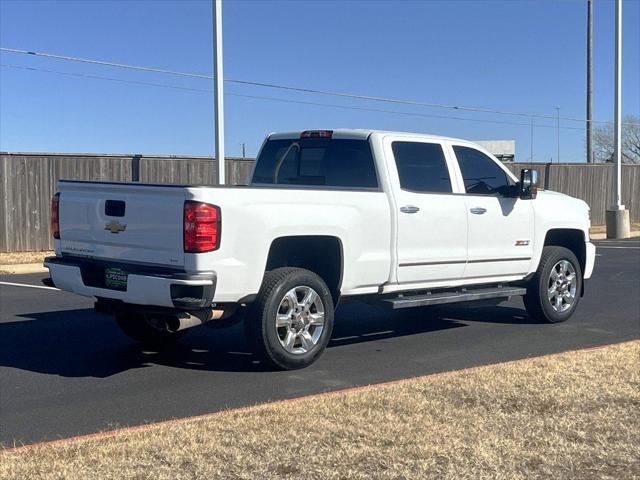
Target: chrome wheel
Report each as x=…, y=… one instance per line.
x=562, y=286
x=300, y=320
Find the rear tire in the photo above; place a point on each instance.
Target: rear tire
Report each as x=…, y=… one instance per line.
x=146, y=330
x=291, y=321
x=554, y=292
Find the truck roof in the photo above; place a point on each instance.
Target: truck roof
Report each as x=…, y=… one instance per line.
x=358, y=134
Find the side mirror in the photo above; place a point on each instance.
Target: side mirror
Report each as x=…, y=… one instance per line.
x=528, y=184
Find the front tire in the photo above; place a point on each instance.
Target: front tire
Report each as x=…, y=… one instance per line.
x=554, y=292
x=292, y=318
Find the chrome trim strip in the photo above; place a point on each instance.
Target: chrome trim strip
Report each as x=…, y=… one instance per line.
x=453, y=262
x=512, y=259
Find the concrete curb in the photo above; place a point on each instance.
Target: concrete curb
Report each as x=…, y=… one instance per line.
x=23, y=268
x=329, y=393
x=603, y=236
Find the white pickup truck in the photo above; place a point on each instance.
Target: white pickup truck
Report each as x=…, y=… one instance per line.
x=404, y=219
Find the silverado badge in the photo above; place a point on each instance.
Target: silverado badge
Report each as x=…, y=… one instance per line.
x=115, y=227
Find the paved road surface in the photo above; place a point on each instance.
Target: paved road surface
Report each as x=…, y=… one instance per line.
x=65, y=370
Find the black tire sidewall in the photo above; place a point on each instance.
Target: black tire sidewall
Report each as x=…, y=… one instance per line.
x=269, y=336
x=551, y=257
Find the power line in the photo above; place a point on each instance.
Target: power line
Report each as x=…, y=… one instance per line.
x=275, y=99
x=100, y=62
x=290, y=88
x=100, y=77
x=413, y=114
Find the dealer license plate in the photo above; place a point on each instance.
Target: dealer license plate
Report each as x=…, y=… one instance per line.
x=115, y=278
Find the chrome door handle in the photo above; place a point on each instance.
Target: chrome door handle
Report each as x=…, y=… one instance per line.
x=409, y=209
x=478, y=210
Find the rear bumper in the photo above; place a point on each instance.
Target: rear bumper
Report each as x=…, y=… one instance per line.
x=146, y=285
x=590, y=260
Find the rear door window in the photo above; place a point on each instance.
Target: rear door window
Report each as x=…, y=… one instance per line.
x=316, y=162
x=422, y=167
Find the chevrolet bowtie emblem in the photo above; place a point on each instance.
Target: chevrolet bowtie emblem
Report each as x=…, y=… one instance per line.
x=115, y=227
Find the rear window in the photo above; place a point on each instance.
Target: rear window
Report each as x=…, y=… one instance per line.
x=316, y=162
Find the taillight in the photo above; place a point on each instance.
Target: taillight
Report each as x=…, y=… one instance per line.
x=55, y=215
x=201, y=227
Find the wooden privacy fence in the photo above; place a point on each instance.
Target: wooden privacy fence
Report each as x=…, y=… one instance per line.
x=591, y=183
x=27, y=182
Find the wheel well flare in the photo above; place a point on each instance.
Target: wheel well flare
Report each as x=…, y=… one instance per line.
x=320, y=254
x=571, y=239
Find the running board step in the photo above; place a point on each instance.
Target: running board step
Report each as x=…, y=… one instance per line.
x=454, y=297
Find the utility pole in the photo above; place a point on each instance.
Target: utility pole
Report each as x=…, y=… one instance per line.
x=558, y=134
x=218, y=90
x=617, y=217
x=243, y=152
x=589, y=80
x=531, y=159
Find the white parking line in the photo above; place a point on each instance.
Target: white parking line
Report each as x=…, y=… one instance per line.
x=384, y=332
x=623, y=248
x=11, y=284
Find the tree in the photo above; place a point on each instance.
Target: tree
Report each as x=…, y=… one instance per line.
x=603, y=141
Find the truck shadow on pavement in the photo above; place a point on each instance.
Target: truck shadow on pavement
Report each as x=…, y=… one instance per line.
x=81, y=343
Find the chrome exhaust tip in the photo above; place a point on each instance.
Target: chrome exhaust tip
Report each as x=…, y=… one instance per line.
x=184, y=320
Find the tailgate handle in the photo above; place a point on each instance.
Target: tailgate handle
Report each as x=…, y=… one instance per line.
x=114, y=208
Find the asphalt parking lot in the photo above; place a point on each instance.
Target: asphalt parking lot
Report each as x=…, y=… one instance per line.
x=65, y=370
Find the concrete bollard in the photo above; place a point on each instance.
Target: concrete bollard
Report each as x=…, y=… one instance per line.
x=618, y=224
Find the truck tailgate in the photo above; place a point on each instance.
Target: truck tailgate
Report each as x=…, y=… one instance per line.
x=123, y=222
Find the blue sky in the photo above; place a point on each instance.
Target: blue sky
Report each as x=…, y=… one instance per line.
x=526, y=56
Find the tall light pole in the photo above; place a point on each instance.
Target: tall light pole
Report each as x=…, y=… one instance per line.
x=617, y=133
x=617, y=217
x=558, y=132
x=589, y=79
x=218, y=90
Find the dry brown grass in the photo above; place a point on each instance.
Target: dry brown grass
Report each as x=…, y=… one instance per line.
x=572, y=415
x=15, y=258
